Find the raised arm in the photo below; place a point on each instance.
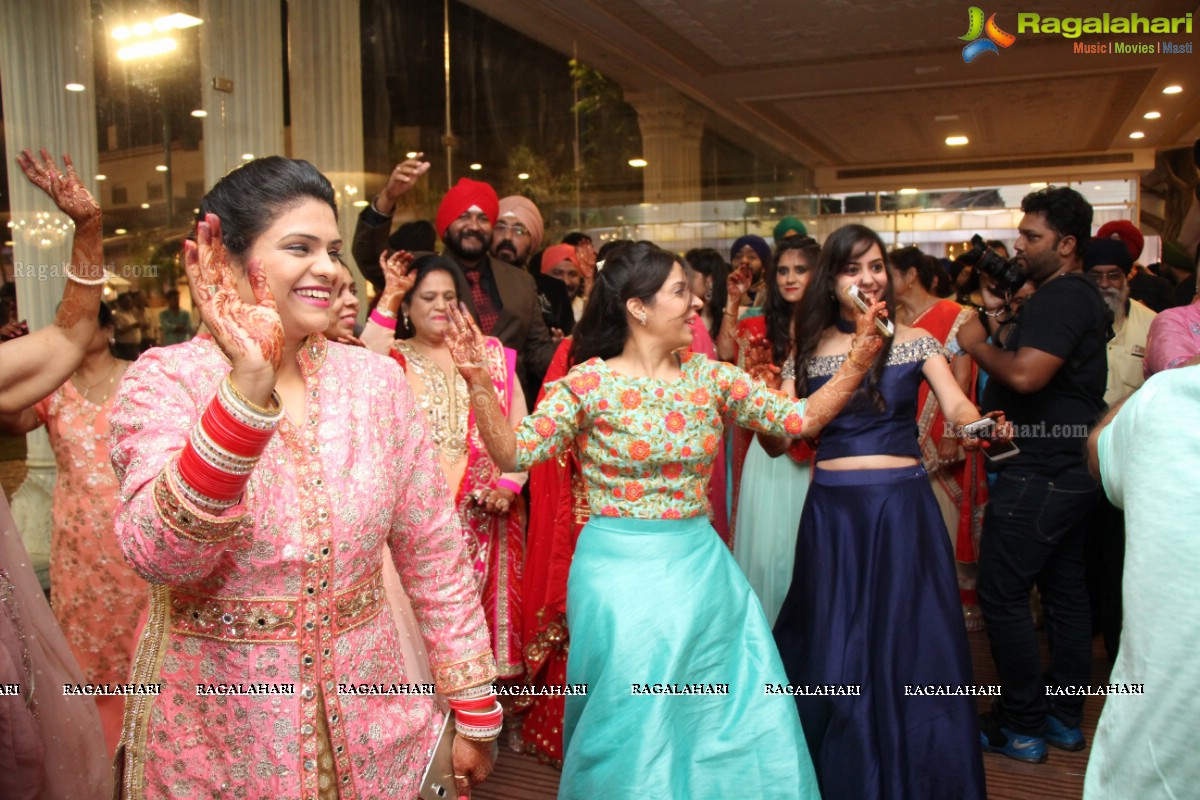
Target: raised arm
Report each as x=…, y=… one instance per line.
x=380, y=330
x=184, y=447
x=37, y=364
x=375, y=222
x=764, y=410
x=469, y=350
x=539, y=436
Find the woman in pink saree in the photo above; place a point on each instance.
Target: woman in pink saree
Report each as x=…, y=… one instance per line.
x=262, y=472
x=487, y=499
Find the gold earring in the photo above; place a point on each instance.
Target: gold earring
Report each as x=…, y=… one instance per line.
x=405, y=315
x=643, y=318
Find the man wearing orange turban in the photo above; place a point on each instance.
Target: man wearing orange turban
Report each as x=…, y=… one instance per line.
x=516, y=236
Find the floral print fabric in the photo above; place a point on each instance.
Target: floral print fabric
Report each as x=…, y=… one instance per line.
x=647, y=446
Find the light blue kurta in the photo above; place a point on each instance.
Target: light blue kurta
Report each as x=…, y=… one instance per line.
x=1145, y=744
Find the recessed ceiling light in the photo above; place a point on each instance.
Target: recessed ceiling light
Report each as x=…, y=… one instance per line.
x=1038, y=185
x=361, y=203
x=1137, y=135
x=161, y=168
x=956, y=141
x=101, y=177
x=1098, y=188
x=908, y=191
x=1173, y=89
x=753, y=199
x=477, y=166
x=247, y=156
x=145, y=205
x=1151, y=115
x=523, y=176
x=411, y=154
x=199, y=112
x=637, y=162
x=120, y=231
x=74, y=87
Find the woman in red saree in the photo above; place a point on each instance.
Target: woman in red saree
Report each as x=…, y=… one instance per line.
x=558, y=510
x=958, y=479
x=486, y=499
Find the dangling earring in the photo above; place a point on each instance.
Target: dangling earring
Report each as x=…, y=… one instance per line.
x=405, y=315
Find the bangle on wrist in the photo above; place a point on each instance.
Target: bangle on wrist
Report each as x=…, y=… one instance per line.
x=269, y=412
x=383, y=320
x=71, y=276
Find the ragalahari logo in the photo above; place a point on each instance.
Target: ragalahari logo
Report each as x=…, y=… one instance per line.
x=976, y=46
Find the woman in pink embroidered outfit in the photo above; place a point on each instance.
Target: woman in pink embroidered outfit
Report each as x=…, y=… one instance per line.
x=259, y=482
x=97, y=598
x=486, y=498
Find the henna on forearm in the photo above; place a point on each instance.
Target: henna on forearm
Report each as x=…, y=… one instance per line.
x=490, y=419
x=79, y=301
x=828, y=401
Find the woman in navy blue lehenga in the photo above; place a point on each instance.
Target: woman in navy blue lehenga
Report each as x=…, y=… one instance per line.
x=874, y=599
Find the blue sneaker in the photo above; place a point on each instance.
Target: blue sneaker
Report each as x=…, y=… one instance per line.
x=1062, y=737
x=996, y=739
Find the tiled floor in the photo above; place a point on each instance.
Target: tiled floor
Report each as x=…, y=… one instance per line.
x=1060, y=778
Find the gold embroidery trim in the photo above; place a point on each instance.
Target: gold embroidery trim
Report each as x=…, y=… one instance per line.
x=473, y=671
x=254, y=620
x=185, y=519
x=146, y=668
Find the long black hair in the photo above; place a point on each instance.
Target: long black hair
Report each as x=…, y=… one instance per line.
x=779, y=313
x=636, y=270
x=711, y=264
x=250, y=197
x=820, y=308
x=421, y=268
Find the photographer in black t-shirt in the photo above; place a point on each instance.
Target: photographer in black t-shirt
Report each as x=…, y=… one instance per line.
x=1049, y=378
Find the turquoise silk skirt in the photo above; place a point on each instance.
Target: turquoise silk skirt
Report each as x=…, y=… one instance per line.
x=677, y=657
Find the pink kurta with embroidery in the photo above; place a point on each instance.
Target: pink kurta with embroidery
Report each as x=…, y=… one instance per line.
x=285, y=590
x=96, y=597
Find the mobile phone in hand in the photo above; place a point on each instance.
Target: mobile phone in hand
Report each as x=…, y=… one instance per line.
x=884, y=325
x=996, y=450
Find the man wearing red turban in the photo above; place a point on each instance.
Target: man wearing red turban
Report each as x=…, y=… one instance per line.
x=503, y=298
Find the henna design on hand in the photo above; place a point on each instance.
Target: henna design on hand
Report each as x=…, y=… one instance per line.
x=466, y=342
x=250, y=335
x=79, y=302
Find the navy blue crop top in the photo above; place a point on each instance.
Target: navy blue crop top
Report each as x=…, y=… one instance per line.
x=860, y=430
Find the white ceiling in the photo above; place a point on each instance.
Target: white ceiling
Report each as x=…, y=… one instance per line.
x=842, y=85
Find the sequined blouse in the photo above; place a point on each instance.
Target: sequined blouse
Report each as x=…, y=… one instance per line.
x=860, y=429
x=647, y=446
x=283, y=592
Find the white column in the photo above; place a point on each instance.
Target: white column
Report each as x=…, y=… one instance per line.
x=44, y=45
x=325, y=69
x=671, y=127
x=240, y=44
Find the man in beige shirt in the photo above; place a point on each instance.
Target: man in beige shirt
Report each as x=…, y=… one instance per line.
x=1108, y=263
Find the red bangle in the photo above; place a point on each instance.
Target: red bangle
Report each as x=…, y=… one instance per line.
x=475, y=704
x=231, y=434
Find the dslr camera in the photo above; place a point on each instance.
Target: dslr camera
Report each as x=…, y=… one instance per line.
x=1007, y=273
